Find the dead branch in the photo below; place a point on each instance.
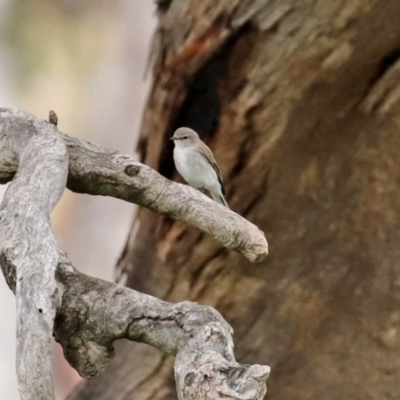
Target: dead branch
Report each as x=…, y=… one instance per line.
x=100, y=171
x=87, y=314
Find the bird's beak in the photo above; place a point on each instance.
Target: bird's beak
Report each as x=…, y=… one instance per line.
x=172, y=138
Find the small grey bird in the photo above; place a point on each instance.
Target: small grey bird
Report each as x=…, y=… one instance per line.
x=197, y=165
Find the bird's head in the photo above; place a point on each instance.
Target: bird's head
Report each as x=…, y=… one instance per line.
x=184, y=137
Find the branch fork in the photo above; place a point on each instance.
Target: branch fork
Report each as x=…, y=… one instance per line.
x=86, y=315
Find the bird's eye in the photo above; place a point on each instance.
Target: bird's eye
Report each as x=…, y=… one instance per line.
x=185, y=137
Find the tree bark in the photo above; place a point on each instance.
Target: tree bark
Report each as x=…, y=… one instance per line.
x=299, y=101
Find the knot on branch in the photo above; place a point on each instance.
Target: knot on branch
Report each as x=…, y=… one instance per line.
x=132, y=170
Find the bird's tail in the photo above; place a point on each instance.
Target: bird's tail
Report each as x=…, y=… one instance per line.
x=219, y=198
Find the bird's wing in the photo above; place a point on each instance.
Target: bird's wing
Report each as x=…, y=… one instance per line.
x=207, y=154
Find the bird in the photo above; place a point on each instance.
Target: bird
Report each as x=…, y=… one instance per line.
x=196, y=163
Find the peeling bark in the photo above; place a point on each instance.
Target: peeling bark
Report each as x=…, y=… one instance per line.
x=86, y=315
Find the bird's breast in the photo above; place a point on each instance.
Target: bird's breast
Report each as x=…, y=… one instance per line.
x=194, y=168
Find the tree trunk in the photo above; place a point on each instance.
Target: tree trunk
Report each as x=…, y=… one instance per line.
x=299, y=101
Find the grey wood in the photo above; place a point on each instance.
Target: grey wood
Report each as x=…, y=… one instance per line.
x=97, y=170
x=28, y=244
x=85, y=314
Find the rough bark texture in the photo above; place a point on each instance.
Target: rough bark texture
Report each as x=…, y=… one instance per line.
x=86, y=314
x=299, y=101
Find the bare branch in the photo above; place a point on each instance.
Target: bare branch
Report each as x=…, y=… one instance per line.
x=28, y=246
x=86, y=314
x=100, y=171
x=94, y=313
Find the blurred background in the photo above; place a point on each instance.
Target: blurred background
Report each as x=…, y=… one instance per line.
x=85, y=60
